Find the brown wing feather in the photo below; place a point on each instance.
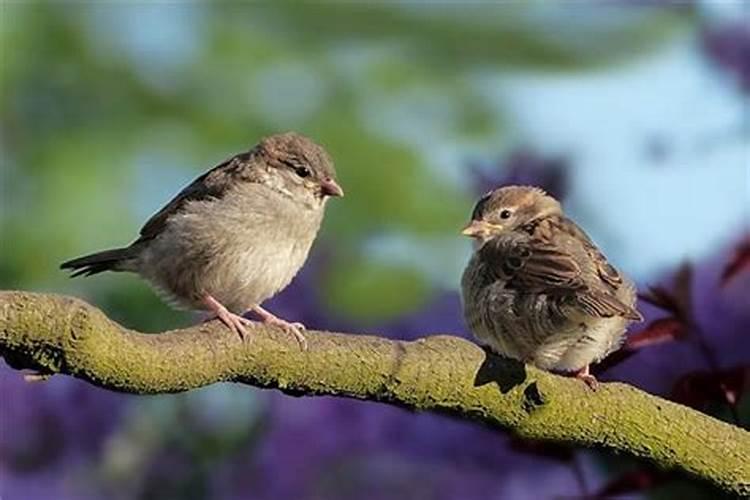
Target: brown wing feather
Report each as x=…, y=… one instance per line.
x=604, y=269
x=605, y=305
x=212, y=184
x=533, y=265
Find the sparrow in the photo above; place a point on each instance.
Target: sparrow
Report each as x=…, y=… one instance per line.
x=537, y=289
x=235, y=236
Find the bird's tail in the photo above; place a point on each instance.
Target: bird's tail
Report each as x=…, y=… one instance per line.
x=109, y=260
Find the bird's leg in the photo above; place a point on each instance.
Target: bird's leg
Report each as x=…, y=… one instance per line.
x=235, y=322
x=295, y=329
x=590, y=380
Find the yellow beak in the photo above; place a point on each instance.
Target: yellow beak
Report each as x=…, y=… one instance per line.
x=478, y=229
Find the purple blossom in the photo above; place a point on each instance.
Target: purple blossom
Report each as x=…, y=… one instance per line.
x=524, y=167
x=728, y=46
x=334, y=448
x=441, y=314
x=50, y=429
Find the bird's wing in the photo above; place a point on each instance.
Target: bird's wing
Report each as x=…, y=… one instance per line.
x=212, y=184
x=604, y=269
x=532, y=265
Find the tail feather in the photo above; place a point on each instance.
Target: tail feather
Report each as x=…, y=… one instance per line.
x=108, y=260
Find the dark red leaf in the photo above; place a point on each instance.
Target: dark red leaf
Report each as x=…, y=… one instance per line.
x=613, y=359
x=631, y=482
x=542, y=449
x=700, y=388
x=739, y=262
x=676, y=300
x=683, y=287
x=657, y=332
x=662, y=298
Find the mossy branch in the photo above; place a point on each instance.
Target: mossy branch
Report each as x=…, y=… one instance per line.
x=446, y=374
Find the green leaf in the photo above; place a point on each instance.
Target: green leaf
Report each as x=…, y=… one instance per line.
x=369, y=291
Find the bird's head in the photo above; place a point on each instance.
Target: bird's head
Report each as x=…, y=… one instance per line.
x=508, y=208
x=301, y=167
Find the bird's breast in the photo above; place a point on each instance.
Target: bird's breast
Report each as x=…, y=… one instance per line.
x=266, y=252
x=241, y=249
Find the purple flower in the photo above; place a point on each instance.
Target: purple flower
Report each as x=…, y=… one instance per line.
x=728, y=46
x=442, y=314
x=524, y=167
x=50, y=429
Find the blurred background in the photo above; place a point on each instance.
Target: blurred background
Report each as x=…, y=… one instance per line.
x=634, y=113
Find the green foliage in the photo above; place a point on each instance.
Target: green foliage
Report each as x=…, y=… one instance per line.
x=375, y=290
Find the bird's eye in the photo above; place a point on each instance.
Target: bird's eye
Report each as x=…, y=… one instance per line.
x=302, y=171
x=505, y=214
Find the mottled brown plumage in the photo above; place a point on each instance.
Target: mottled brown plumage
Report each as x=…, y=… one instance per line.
x=537, y=289
x=236, y=235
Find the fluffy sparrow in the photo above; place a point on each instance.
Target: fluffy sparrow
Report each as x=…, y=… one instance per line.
x=236, y=235
x=537, y=289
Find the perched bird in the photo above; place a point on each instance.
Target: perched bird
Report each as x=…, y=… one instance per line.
x=537, y=289
x=236, y=235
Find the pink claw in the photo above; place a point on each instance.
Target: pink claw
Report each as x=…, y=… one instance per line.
x=235, y=322
x=588, y=379
x=295, y=329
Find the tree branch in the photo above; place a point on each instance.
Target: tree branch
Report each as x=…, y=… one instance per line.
x=445, y=374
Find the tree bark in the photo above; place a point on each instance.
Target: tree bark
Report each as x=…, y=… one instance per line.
x=63, y=335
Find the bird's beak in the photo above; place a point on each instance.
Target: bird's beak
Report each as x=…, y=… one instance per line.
x=477, y=229
x=329, y=187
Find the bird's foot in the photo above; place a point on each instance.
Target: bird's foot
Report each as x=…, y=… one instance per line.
x=295, y=329
x=233, y=321
x=587, y=377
